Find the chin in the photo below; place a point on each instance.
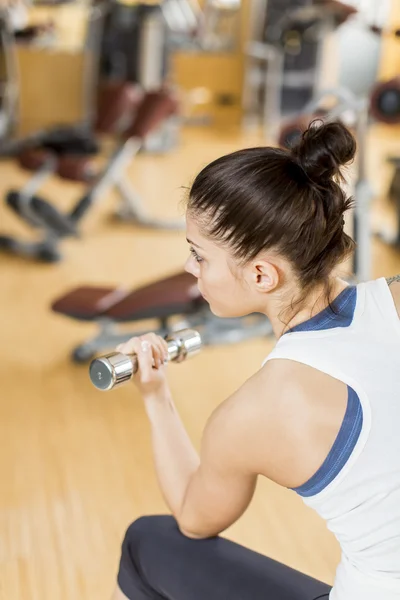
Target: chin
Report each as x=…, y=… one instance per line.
x=225, y=313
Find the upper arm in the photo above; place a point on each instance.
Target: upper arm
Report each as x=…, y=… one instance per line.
x=223, y=486
x=275, y=426
x=248, y=435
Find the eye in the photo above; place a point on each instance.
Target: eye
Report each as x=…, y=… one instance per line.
x=195, y=255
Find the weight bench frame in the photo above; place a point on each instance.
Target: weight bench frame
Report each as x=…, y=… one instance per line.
x=110, y=177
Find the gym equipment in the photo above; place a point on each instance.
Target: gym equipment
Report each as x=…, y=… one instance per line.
x=138, y=38
x=385, y=101
x=209, y=26
x=174, y=303
x=17, y=68
x=70, y=158
x=134, y=44
x=353, y=112
x=183, y=18
x=218, y=31
x=111, y=371
x=392, y=238
x=283, y=60
x=385, y=108
x=8, y=76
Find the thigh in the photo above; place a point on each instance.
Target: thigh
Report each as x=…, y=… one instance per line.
x=174, y=567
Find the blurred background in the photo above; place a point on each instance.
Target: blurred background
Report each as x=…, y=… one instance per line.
x=108, y=110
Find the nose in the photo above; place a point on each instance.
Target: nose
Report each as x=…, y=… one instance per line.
x=192, y=267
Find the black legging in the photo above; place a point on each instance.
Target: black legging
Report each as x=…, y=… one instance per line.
x=160, y=563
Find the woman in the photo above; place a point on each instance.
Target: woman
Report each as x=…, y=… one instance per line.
x=322, y=414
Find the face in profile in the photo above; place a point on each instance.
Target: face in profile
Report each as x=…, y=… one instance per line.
x=221, y=281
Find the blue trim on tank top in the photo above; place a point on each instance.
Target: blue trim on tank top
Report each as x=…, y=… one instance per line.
x=339, y=314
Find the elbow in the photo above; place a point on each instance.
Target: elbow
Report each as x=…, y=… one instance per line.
x=195, y=531
x=192, y=534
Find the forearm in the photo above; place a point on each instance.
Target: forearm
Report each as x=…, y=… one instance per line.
x=175, y=457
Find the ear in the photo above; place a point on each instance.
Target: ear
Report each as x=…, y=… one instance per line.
x=265, y=276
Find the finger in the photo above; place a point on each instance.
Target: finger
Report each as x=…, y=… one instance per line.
x=165, y=348
x=157, y=348
x=142, y=350
x=163, y=345
x=156, y=354
x=162, y=349
x=127, y=347
x=146, y=359
x=130, y=346
x=134, y=347
x=160, y=352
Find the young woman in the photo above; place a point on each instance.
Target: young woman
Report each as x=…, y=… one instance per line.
x=322, y=414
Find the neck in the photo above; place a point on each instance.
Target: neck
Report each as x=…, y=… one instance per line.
x=282, y=318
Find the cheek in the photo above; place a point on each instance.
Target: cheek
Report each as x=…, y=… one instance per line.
x=218, y=282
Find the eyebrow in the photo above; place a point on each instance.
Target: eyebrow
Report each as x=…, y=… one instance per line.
x=193, y=244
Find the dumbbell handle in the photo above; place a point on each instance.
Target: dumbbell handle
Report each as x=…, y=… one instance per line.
x=112, y=370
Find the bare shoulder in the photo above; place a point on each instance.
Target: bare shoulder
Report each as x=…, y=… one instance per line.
x=285, y=419
x=394, y=286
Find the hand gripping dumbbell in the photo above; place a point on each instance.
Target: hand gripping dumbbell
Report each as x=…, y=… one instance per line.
x=110, y=371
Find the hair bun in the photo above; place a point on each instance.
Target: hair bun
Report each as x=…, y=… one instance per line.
x=323, y=149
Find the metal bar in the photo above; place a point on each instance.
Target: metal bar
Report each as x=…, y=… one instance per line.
x=131, y=200
x=120, y=159
x=118, y=162
x=11, y=94
x=91, y=63
x=272, y=93
x=363, y=198
x=27, y=192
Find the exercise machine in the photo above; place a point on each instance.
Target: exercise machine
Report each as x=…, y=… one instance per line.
x=284, y=57
x=70, y=157
x=385, y=108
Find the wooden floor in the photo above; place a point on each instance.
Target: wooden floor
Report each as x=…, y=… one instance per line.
x=75, y=465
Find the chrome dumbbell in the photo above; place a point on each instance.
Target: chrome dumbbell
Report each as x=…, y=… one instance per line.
x=112, y=370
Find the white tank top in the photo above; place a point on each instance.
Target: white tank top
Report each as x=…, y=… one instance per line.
x=362, y=504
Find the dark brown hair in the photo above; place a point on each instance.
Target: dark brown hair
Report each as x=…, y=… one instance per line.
x=286, y=200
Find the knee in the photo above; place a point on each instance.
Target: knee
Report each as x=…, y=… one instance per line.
x=147, y=532
x=147, y=542
x=150, y=525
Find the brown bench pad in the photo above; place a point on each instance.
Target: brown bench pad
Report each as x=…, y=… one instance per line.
x=173, y=295
x=87, y=303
